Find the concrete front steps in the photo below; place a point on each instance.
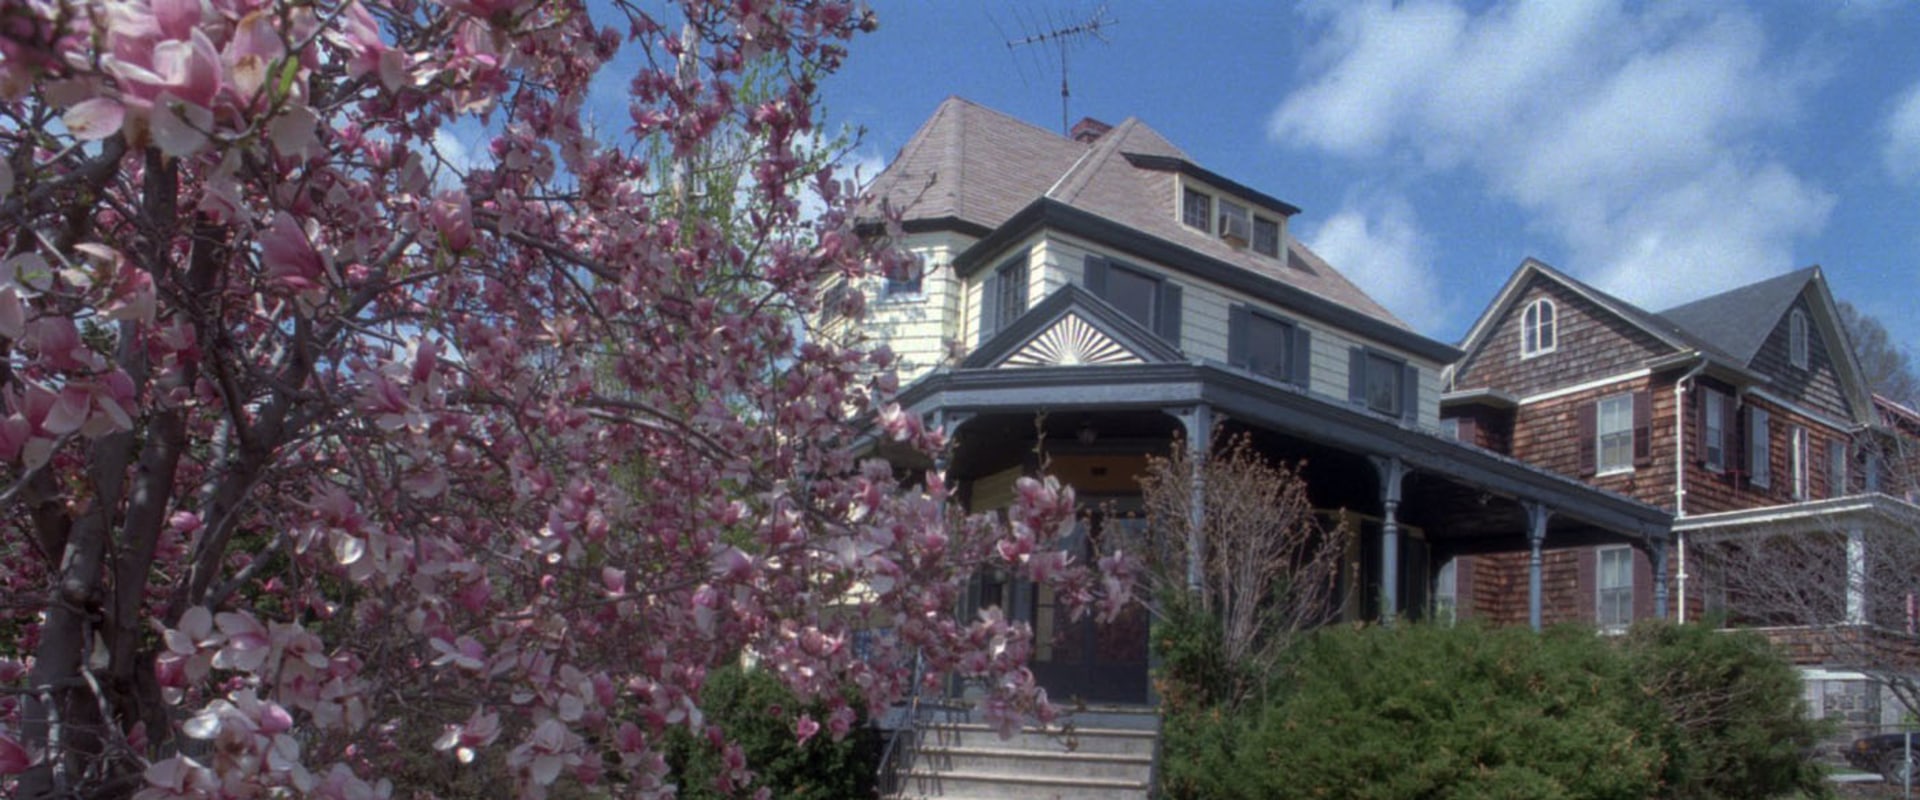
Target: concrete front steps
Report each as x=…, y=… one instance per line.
x=1107, y=754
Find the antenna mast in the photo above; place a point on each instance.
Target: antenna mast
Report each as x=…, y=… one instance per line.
x=1063, y=36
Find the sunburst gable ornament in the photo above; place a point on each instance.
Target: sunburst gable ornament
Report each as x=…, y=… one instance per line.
x=1071, y=342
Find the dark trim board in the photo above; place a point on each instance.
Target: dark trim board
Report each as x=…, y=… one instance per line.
x=1192, y=170
x=1046, y=213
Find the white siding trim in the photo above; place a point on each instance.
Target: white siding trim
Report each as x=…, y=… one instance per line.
x=1583, y=387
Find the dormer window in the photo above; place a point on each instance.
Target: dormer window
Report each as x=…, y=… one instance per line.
x=1266, y=237
x=1196, y=209
x=1797, y=339
x=1538, y=331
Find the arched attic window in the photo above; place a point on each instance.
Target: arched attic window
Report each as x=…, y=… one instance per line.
x=1538, y=333
x=1797, y=339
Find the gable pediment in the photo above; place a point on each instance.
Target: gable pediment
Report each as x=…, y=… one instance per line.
x=1070, y=328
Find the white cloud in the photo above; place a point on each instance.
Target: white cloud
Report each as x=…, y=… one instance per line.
x=1900, y=149
x=1635, y=135
x=1383, y=251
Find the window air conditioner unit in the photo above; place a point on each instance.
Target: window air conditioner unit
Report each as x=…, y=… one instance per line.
x=1235, y=229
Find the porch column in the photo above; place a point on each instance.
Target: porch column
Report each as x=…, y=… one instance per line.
x=1537, y=515
x=1198, y=422
x=1856, y=576
x=1657, y=554
x=948, y=422
x=1392, y=471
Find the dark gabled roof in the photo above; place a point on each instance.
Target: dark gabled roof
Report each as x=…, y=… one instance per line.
x=1673, y=335
x=972, y=169
x=1739, y=320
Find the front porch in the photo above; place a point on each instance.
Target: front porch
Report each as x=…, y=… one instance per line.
x=1419, y=499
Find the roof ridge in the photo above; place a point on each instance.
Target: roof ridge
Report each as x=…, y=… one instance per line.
x=1076, y=178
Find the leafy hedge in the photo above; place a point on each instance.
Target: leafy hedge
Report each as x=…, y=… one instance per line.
x=754, y=708
x=1421, y=711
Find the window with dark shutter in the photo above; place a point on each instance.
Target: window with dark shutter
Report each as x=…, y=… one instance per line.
x=1148, y=299
x=1759, y=447
x=1642, y=429
x=1587, y=428
x=1266, y=345
x=1614, y=433
x=1167, y=313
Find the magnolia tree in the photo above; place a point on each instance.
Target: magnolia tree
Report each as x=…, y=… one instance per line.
x=331, y=461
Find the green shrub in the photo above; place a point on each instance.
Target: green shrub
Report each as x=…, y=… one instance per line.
x=1419, y=711
x=1737, y=723
x=754, y=708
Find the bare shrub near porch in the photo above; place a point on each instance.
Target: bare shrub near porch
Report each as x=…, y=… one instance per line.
x=1794, y=587
x=1271, y=568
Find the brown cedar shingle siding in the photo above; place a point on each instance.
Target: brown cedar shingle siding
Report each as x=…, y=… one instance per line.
x=1590, y=343
x=1816, y=387
x=1709, y=492
x=1548, y=434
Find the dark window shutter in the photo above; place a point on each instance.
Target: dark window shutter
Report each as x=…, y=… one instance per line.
x=1302, y=361
x=1357, y=376
x=1642, y=428
x=989, y=306
x=1697, y=421
x=1409, y=392
x=1238, y=319
x=1737, y=442
x=1468, y=430
x=1168, y=324
x=1588, y=428
x=1095, y=276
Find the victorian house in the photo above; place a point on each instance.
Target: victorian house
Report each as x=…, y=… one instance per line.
x=1105, y=291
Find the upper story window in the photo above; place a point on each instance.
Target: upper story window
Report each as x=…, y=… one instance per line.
x=1196, y=209
x=1614, y=432
x=1797, y=339
x=1268, y=345
x=1836, y=468
x=1713, y=430
x=1266, y=237
x=1382, y=383
x=1538, y=330
x=1759, y=447
x=1614, y=595
x=1151, y=300
x=1003, y=297
x=905, y=280
x=1797, y=457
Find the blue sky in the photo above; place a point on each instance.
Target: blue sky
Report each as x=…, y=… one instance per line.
x=1662, y=151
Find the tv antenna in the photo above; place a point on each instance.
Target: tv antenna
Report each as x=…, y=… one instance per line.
x=1064, y=36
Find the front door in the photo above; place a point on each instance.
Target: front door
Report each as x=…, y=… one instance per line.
x=1078, y=658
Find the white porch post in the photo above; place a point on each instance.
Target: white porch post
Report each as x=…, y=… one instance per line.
x=1856, y=576
x=1537, y=515
x=1392, y=472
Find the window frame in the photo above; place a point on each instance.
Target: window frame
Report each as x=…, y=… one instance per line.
x=1799, y=472
x=1797, y=339
x=1446, y=593
x=1601, y=466
x=893, y=289
x=1187, y=193
x=1532, y=343
x=1618, y=597
x=1759, y=447
x=1396, y=371
x=1839, y=460
x=1287, y=330
x=1272, y=224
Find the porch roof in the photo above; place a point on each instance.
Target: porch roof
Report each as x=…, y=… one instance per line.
x=1874, y=510
x=1284, y=408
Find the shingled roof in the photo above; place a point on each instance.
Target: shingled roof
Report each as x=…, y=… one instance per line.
x=1739, y=320
x=974, y=167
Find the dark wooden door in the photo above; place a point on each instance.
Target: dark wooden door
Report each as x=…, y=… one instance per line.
x=1079, y=658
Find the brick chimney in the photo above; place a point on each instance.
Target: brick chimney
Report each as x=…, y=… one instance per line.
x=1088, y=129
